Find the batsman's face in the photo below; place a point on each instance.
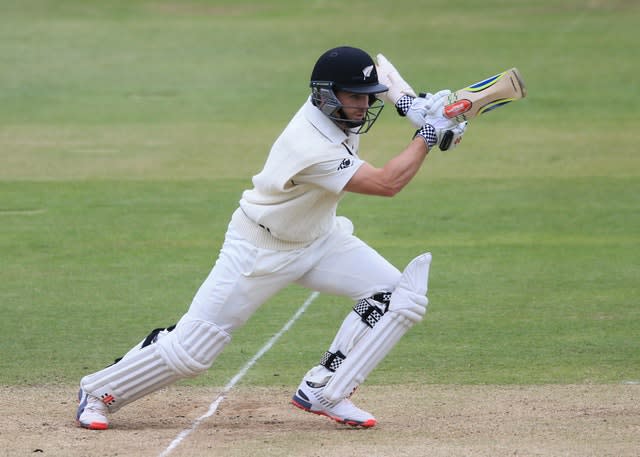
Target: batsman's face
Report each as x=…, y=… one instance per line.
x=354, y=106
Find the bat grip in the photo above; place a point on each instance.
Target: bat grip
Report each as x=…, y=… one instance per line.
x=445, y=143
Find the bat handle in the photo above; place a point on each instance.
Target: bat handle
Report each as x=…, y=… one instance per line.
x=445, y=143
x=448, y=135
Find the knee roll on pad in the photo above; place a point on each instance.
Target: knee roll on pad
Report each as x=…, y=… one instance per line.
x=193, y=346
x=410, y=295
x=410, y=305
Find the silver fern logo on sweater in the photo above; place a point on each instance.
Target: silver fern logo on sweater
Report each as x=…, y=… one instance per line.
x=346, y=163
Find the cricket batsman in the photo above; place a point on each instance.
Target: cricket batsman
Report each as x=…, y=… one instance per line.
x=285, y=230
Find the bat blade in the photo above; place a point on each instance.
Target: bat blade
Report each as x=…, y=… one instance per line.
x=485, y=96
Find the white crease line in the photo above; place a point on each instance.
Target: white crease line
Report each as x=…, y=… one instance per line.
x=213, y=407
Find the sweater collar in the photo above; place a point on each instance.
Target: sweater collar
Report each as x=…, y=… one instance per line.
x=325, y=125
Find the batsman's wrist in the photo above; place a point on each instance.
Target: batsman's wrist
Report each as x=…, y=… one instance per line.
x=403, y=104
x=428, y=134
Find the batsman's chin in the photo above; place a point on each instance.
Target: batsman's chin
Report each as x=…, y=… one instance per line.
x=357, y=121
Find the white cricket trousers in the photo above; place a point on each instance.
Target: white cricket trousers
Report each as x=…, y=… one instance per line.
x=245, y=276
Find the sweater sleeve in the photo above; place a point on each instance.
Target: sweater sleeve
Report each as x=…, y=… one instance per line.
x=331, y=175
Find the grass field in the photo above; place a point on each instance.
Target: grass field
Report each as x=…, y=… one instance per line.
x=128, y=130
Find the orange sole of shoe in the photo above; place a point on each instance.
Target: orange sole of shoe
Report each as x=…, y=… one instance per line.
x=94, y=425
x=366, y=424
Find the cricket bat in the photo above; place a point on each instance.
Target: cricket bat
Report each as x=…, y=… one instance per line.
x=485, y=95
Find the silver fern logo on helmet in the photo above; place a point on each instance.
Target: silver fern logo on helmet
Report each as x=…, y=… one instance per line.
x=366, y=71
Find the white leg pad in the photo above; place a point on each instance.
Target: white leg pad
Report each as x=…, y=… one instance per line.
x=410, y=295
x=193, y=346
x=187, y=351
x=408, y=305
x=350, y=332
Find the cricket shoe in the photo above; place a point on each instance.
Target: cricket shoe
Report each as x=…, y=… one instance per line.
x=309, y=398
x=92, y=413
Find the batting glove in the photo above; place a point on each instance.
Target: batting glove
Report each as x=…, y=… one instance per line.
x=389, y=76
x=424, y=107
x=447, y=134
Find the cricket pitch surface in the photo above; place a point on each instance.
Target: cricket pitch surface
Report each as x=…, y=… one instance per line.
x=430, y=420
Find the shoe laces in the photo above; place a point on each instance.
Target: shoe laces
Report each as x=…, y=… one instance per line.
x=95, y=405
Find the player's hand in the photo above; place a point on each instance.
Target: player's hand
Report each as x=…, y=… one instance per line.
x=389, y=76
x=426, y=106
x=442, y=131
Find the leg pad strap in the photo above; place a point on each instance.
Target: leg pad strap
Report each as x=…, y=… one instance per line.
x=332, y=360
x=373, y=308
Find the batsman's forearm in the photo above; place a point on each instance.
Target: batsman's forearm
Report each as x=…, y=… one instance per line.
x=391, y=178
x=400, y=170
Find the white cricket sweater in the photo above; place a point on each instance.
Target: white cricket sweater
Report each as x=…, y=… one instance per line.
x=290, y=205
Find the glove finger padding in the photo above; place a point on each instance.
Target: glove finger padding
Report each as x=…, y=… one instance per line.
x=390, y=77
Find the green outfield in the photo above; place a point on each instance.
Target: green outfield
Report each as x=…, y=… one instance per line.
x=128, y=130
